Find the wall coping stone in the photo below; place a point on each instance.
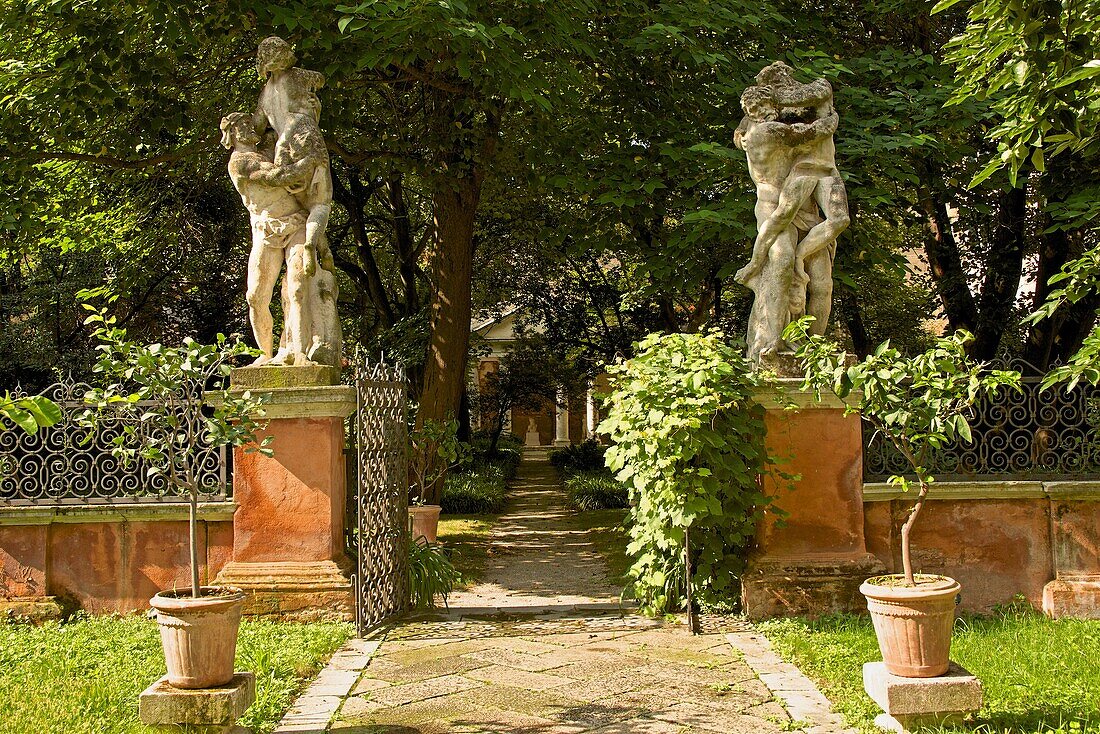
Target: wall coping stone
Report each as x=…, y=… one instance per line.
x=121, y=512
x=988, y=490
x=787, y=394
x=321, y=401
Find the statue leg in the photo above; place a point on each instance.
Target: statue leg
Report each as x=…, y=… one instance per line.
x=264, y=264
x=315, y=235
x=795, y=192
x=771, y=307
x=833, y=199
x=298, y=319
x=820, y=301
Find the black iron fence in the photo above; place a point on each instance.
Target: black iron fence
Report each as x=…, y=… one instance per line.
x=1049, y=434
x=70, y=464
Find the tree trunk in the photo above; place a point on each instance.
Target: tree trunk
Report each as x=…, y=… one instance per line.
x=193, y=536
x=1002, y=274
x=445, y=369
x=853, y=319
x=944, y=258
x=1056, y=338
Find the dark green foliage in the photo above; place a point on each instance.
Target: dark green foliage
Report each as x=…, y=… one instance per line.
x=505, y=457
x=479, y=492
x=596, y=490
x=431, y=574
x=688, y=442
x=586, y=456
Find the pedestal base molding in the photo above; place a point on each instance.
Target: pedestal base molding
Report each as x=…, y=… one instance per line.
x=911, y=704
x=1072, y=597
x=33, y=608
x=305, y=591
x=205, y=710
x=806, y=586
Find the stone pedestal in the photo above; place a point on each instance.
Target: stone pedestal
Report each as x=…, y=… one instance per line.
x=914, y=703
x=203, y=710
x=561, y=420
x=288, y=530
x=813, y=561
x=1072, y=597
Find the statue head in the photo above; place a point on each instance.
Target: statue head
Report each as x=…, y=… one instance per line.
x=777, y=74
x=237, y=127
x=274, y=54
x=759, y=104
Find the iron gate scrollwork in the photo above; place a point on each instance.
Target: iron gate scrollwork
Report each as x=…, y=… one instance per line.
x=381, y=540
x=1033, y=434
x=73, y=464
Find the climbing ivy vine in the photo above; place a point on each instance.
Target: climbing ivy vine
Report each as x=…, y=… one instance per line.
x=688, y=442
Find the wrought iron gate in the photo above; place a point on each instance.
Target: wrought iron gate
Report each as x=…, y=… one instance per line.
x=381, y=540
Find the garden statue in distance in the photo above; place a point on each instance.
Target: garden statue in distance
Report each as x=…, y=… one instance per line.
x=801, y=206
x=287, y=189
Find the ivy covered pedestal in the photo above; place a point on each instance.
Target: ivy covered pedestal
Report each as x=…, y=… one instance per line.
x=813, y=561
x=288, y=529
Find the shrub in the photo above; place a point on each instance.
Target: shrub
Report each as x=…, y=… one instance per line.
x=431, y=573
x=506, y=457
x=586, y=456
x=478, y=492
x=688, y=442
x=596, y=491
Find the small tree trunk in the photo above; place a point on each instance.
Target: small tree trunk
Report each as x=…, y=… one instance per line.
x=906, y=559
x=193, y=521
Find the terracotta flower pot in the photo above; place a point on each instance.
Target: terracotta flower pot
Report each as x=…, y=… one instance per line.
x=425, y=521
x=913, y=623
x=199, y=636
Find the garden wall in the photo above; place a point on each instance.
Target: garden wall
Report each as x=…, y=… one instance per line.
x=105, y=558
x=999, y=540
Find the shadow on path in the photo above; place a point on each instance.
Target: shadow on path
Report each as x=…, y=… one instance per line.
x=539, y=559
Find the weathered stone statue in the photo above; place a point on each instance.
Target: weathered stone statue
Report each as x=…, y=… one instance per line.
x=801, y=205
x=287, y=190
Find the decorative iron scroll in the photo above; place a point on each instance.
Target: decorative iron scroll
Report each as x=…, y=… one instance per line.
x=70, y=464
x=1034, y=434
x=381, y=541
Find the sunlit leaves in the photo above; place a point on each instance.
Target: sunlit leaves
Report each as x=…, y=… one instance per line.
x=688, y=442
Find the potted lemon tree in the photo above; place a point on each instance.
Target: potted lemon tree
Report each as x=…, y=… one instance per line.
x=162, y=390
x=919, y=404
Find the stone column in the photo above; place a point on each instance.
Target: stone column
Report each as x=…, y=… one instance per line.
x=815, y=561
x=288, y=529
x=590, y=412
x=561, y=415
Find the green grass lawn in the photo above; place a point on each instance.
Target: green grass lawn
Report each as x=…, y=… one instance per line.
x=1038, y=675
x=84, y=676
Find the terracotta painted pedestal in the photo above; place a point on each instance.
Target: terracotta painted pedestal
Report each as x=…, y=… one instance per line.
x=288, y=530
x=814, y=561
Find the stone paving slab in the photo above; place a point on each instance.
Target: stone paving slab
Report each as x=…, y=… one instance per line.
x=544, y=647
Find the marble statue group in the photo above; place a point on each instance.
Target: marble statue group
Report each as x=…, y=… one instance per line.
x=279, y=165
x=801, y=204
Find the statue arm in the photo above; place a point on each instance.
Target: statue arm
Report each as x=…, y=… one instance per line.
x=299, y=171
x=314, y=80
x=800, y=133
x=739, y=133
x=815, y=93
x=260, y=120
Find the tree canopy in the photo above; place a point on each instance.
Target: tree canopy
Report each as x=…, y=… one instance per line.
x=574, y=159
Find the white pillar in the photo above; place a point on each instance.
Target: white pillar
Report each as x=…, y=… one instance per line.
x=590, y=412
x=561, y=414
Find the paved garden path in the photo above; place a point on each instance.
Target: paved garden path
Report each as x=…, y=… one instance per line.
x=541, y=646
x=538, y=563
